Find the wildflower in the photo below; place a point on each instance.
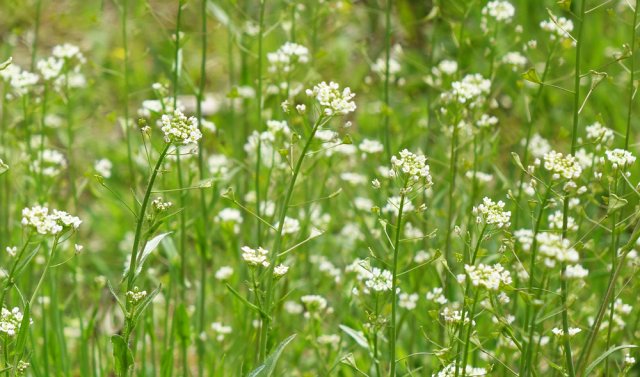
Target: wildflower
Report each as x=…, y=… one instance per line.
x=220, y=330
x=20, y=81
x=575, y=272
x=491, y=277
x=629, y=360
x=436, y=295
x=562, y=166
x=285, y=58
x=556, y=248
x=50, y=68
x=103, y=167
x=515, y=59
x=408, y=301
x=255, y=257
x=135, y=295
x=538, y=146
x=491, y=213
x=293, y=307
x=571, y=330
x=413, y=168
x=160, y=205
x=559, y=27
x=22, y=366
x=620, y=158
x=280, y=270
x=450, y=371
x=301, y=108
x=49, y=162
x=179, y=129
x=453, y=316
x=218, y=165
x=471, y=90
x=599, y=134
x=332, y=340
x=379, y=280
x=291, y=226
x=448, y=67
x=501, y=11
x=315, y=305
x=49, y=223
x=332, y=101
x=11, y=250
x=486, y=121
x=369, y=146
x=380, y=67
x=224, y=273
x=10, y=321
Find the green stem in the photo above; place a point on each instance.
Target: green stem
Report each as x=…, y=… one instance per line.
x=44, y=272
x=467, y=341
x=125, y=64
x=259, y=120
x=141, y=217
x=394, y=286
x=387, y=46
x=277, y=245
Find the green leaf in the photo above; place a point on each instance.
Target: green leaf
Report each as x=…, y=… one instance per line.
x=182, y=321
x=269, y=365
x=5, y=64
x=532, y=76
x=3, y=167
x=23, y=333
x=355, y=335
x=614, y=203
x=113, y=293
x=565, y=5
x=604, y=356
x=245, y=301
x=516, y=159
x=122, y=355
x=148, y=249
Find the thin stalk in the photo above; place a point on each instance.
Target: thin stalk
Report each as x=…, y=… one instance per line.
x=565, y=212
x=202, y=238
x=387, y=46
x=259, y=120
x=467, y=341
x=141, y=217
x=453, y=157
x=277, y=245
x=125, y=64
x=49, y=257
x=394, y=285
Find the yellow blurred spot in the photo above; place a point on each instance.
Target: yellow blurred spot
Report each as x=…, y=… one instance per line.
x=118, y=53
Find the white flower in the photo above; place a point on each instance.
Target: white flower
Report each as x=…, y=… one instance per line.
x=291, y=226
x=599, y=134
x=255, y=257
x=220, y=330
x=11, y=250
x=538, y=146
x=331, y=339
x=501, y=11
x=177, y=128
x=49, y=162
x=556, y=248
x=103, y=167
x=575, y=272
x=515, y=59
x=285, y=58
x=413, y=167
x=160, y=205
x=491, y=277
x=48, y=223
x=50, y=68
x=571, y=330
x=136, y=295
x=408, y=301
x=491, y=213
x=331, y=100
x=315, y=305
x=379, y=280
x=562, y=166
x=371, y=146
x=450, y=371
x=559, y=27
x=436, y=295
x=620, y=158
x=224, y=273
x=10, y=321
x=471, y=90
x=280, y=270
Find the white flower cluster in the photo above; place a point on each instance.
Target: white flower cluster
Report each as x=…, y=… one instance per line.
x=412, y=167
x=379, y=280
x=177, y=128
x=220, y=330
x=571, y=330
x=490, y=277
x=599, y=134
x=48, y=223
x=408, y=301
x=332, y=100
x=255, y=257
x=491, y=213
x=63, y=67
x=559, y=165
x=538, y=146
x=10, y=321
x=315, y=306
x=556, y=249
x=160, y=205
x=453, y=316
x=559, y=27
x=19, y=80
x=471, y=90
x=369, y=146
x=436, y=295
x=50, y=163
x=280, y=270
x=515, y=59
x=620, y=158
x=224, y=273
x=103, y=167
x=501, y=11
x=450, y=371
x=285, y=58
x=135, y=295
